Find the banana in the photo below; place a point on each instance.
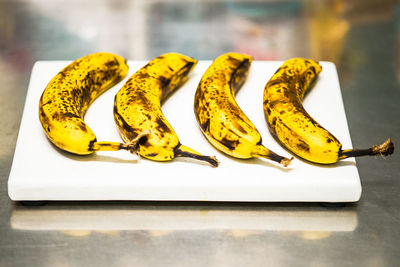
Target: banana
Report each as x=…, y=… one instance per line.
x=220, y=118
x=293, y=127
x=137, y=109
x=67, y=97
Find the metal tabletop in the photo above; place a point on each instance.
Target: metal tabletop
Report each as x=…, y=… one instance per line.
x=361, y=37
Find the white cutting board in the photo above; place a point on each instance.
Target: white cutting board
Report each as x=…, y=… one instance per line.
x=40, y=171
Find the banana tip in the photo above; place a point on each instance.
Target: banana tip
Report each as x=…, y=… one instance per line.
x=285, y=161
x=385, y=149
x=214, y=161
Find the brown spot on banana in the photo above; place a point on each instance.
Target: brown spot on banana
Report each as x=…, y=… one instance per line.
x=301, y=145
x=162, y=127
x=57, y=115
x=229, y=144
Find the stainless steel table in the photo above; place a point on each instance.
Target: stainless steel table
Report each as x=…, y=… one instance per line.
x=361, y=37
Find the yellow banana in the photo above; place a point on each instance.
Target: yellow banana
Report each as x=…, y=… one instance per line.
x=137, y=109
x=220, y=118
x=293, y=127
x=69, y=94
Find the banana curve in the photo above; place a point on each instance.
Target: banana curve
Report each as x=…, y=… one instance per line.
x=138, y=114
x=219, y=116
x=66, y=98
x=292, y=126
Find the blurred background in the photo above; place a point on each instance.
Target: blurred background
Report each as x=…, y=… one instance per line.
x=362, y=37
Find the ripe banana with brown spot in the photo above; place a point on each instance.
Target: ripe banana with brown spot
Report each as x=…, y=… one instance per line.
x=220, y=118
x=293, y=127
x=68, y=96
x=138, y=114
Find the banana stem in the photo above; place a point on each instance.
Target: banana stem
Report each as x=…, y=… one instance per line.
x=264, y=152
x=114, y=146
x=184, y=151
x=383, y=150
x=132, y=146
